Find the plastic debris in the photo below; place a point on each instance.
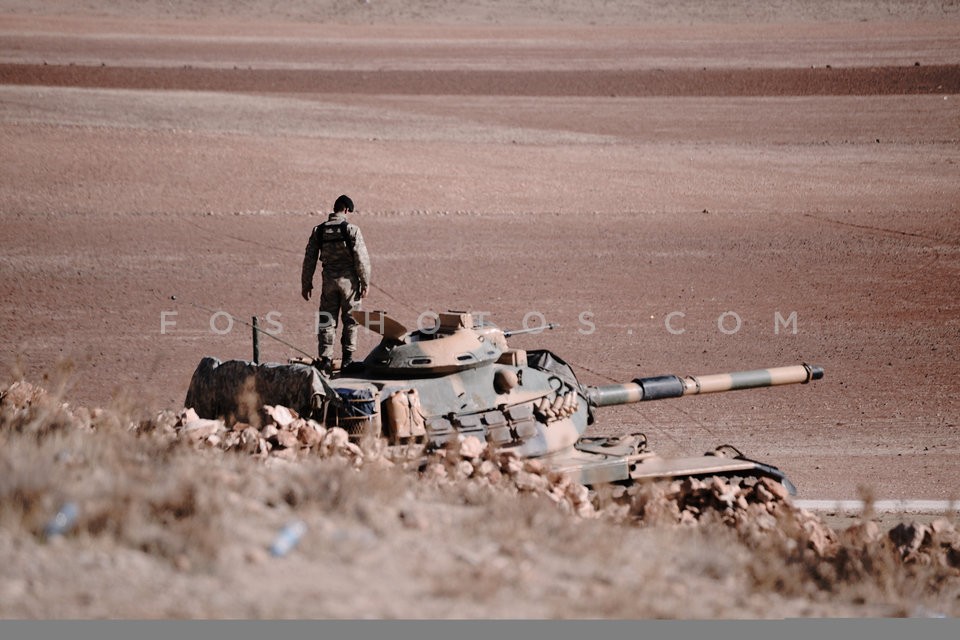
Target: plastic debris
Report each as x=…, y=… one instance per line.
x=62, y=521
x=288, y=538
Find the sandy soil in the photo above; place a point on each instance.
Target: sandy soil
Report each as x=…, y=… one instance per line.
x=629, y=166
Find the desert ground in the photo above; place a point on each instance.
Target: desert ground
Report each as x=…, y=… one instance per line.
x=683, y=187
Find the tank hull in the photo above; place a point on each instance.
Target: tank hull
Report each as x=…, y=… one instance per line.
x=431, y=387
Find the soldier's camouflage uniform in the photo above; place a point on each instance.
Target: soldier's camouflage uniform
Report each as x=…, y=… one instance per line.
x=346, y=272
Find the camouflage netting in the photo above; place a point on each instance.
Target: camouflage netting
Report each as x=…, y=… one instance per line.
x=236, y=390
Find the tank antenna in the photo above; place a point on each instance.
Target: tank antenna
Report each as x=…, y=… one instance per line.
x=256, y=341
x=254, y=325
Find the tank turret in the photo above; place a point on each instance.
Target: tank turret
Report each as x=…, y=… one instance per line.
x=449, y=346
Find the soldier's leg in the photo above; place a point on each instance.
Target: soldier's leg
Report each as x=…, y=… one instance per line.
x=349, y=300
x=327, y=324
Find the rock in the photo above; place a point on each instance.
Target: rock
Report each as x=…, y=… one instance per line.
x=263, y=447
x=952, y=557
x=765, y=522
x=187, y=415
x=718, y=485
x=762, y=494
x=487, y=469
x=269, y=430
x=530, y=481
x=200, y=429
x=819, y=537
x=659, y=510
x=943, y=528
x=578, y=493
x=335, y=439
x=777, y=489
x=561, y=481
x=511, y=464
x=909, y=537
x=861, y=534
x=231, y=440
x=472, y=447
x=586, y=510
x=557, y=496
x=311, y=434
x=464, y=468
x=20, y=394
x=281, y=415
x=534, y=466
x=249, y=440
x=435, y=470
x=352, y=451
x=288, y=439
x=724, y=492
x=284, y=454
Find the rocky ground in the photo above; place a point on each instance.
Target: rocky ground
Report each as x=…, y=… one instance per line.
x=684, y=188
x=176, y=516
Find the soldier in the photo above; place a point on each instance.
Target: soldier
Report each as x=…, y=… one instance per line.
x=346, y=275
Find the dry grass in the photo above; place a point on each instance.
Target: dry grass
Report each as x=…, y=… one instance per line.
x=196, y=522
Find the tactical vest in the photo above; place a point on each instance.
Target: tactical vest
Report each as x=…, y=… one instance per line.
x=330, y=233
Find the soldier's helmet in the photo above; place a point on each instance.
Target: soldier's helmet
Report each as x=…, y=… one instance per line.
x=343, y=203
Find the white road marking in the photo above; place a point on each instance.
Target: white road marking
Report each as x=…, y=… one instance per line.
x=881, y=506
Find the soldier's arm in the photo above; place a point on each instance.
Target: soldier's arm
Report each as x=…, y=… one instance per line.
x=310, y=255
x=361, y=260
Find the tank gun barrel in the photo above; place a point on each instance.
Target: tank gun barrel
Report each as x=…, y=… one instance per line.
x=671, y=386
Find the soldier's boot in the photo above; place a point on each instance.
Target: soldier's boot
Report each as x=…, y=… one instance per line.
x=347, y=360
x=324, y=365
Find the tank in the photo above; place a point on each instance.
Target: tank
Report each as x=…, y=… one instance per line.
x=460, y=378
